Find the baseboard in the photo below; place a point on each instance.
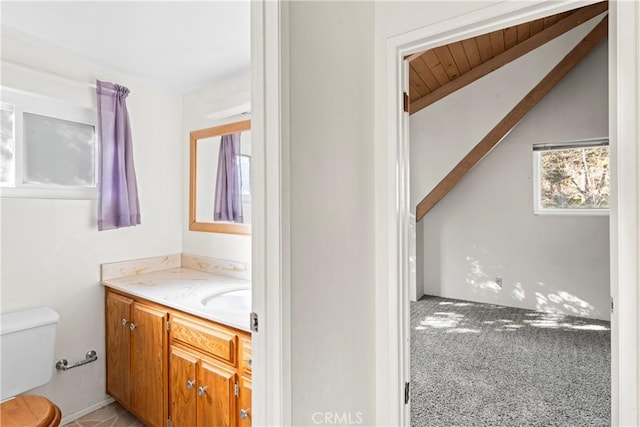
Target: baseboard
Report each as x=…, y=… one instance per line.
x=68, y=418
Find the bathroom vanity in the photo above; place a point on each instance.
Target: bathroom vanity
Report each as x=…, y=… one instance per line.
x=178, y=347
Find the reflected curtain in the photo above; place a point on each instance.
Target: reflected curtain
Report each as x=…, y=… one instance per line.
x=118, y=204
x=228, y=196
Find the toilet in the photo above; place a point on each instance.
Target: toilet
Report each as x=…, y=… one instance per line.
x=27, y=345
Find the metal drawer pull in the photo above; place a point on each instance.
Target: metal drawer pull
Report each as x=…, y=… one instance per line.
x=190, y=384
x=124, y=322
x=63, y=365
x=132, y=326
x=202, y=390
x=244, y=414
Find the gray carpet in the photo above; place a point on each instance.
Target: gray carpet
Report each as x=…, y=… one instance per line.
x=478, y=364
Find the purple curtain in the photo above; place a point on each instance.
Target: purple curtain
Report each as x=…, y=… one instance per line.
x=118, y=204
x=228, y=197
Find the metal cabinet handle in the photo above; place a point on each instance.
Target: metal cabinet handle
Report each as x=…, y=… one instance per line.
x=190, y=384
x=124, y=322
x=202, y=390
x=132, y=326
x=244, y=414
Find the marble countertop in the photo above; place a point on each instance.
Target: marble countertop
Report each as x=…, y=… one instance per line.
x=184, y=289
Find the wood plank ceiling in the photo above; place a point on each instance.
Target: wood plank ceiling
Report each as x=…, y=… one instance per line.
x=493, y=138
x=437, y=72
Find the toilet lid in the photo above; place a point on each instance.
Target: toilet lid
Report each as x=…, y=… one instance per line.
x=29, y=411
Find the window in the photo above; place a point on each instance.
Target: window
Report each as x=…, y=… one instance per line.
x=572, y=177
x=48, y=148
x=245, y=174
x=7, y=143
x=245, y=167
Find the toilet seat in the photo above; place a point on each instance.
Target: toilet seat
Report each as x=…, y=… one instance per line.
x=29, y=411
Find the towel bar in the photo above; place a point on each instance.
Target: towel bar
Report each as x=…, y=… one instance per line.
x=63, y=365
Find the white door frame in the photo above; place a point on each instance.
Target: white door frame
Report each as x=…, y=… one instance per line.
x=392, y=369
x=271, y=360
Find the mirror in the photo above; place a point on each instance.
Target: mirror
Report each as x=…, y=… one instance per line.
x=205, y=150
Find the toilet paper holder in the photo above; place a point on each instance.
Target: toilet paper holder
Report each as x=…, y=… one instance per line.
x=63, y=364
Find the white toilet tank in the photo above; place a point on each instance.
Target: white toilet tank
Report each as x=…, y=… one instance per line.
x=27, y=346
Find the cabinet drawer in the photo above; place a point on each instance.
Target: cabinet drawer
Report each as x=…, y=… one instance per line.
x=219, y=342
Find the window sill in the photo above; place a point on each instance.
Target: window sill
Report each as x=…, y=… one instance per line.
x=64, y=193
x=572, y=212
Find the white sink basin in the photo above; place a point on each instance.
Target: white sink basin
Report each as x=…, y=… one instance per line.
x=236, y=300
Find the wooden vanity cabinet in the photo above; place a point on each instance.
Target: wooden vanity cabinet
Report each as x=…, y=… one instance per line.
x=118, y=313
x=167, y=365
x=244, y=402
x=137, y=341
x=183, y=366
x=149, y=385
x=244, y=372
x=203, y=376
x=202, y=391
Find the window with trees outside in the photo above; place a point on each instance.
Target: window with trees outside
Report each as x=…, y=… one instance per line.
x=572, y=177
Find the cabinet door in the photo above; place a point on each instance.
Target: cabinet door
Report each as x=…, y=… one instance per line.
x=149, y=394
x=244, y=403
x=118, y=316
x=216, y=397
x=183, y=386
x=245, y=357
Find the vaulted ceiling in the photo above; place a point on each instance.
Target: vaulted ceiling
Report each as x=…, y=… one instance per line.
x=437, y=72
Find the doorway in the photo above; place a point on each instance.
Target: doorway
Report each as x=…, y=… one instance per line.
x=504, y=283
x=624, y=349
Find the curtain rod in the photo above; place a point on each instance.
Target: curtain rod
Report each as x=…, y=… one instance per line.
x=48, y=73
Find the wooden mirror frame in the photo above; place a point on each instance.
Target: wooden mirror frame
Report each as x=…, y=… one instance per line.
x=194, y=136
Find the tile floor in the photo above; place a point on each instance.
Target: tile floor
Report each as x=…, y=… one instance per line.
x=112, y=415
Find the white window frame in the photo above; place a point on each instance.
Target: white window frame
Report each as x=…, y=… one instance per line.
x=26, y=102
x=246, y=197
x=245, y=151
x=537, y=177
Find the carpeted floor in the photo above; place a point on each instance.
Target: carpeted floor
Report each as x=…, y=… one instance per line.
x=478, y=364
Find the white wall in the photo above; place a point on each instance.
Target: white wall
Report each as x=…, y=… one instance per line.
x=332, y=220
x=197, y=105
x=51, y=249
x=485, y=227
x=391, y=19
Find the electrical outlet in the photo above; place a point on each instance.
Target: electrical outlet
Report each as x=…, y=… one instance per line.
x=499, y=281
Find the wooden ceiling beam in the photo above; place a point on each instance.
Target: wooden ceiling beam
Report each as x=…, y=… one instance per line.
x=496, y=134
x=413, y=57
x=576, y=18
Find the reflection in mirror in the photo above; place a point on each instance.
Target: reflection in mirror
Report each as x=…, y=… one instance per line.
x=220, y=191
x=207, y=183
